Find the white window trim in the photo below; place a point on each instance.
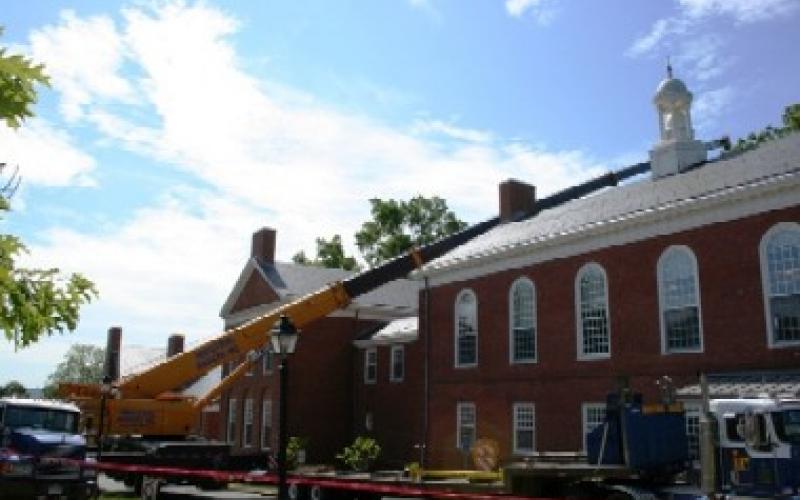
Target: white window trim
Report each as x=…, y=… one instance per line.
x=265, y=404
x=585, y=407
x=455, y=330
x=367, y=352
x=515, y=424
x=578, y=320
x=401, y=349
x=230, y=432
x=511, y=359
x=762, y=254
x=661, y=308
x=693, y=407
x=459, y=406
x=247, y=420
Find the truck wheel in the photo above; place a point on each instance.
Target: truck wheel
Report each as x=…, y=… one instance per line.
x=151, y=487
x=297, y=492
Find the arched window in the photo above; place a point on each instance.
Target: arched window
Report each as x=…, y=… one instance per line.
x=466, y=331
x=522, y=321
x=591, y=304
x=679, y=301
x=780, y=273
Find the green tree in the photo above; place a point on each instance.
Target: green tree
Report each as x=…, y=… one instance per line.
x=33, y=302
x=397, y=226
x=83, y=363
x=791, y=123
x=14, y=388
x=330, y=253
x=18, y=79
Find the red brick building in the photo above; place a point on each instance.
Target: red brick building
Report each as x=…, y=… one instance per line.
x=322, y=379
x=695, y=269
x=524, y=330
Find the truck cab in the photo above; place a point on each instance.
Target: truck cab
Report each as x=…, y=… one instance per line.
x=41, y=450
x=758, y=446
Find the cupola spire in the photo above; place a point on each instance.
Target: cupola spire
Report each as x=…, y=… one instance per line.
x=677, y=148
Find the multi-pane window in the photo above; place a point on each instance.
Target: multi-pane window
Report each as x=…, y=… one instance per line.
x=593, y=416
x=397, y=369
x=679, y=301
x=592, y=312
x=465, y=426
x=370, y=365
x=247, y=421
x=266, y=423
x=231, y=434
x=780, y=268
x=266, y=362
x=692, y=414
x=523, y=321
x=466, y=329
x=524, y=428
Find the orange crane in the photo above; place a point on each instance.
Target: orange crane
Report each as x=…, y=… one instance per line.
x=147, y=404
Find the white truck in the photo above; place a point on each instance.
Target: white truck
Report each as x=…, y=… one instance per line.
x=42, y=451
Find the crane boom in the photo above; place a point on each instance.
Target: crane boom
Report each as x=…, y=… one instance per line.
x=143, y=403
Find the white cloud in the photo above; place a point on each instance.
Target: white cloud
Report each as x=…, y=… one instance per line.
x=693, y=13
x=701, y=57
x=270, y=158
x=743, y=11
x=661, y=30
x=708, y=107
x=540, y=10
x=45, y=156
x=422, y=127
x=92, y=73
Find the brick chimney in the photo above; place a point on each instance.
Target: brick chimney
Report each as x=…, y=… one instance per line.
x=174, y=344
x=264, y=244
x=113, y=344
x=516, y=198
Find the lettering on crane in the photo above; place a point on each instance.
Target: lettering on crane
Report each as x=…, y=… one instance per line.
x=214, y=352
x=135, y=418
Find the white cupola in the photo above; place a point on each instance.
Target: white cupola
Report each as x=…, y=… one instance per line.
x=677, y=148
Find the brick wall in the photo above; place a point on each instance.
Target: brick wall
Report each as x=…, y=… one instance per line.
x=320, y=390
x=733, y=320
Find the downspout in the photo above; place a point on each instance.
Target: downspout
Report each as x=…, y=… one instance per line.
x=426, y=376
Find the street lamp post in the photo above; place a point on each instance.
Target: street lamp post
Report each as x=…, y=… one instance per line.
x=284, y=340
x=105, y=391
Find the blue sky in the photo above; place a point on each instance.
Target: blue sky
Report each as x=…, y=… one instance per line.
x=173, y=130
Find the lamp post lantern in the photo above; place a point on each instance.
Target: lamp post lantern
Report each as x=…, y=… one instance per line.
x=283, y=337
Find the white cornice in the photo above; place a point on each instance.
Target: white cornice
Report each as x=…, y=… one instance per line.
x=773, y=193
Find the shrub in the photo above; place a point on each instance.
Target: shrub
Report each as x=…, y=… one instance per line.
x=360, y=455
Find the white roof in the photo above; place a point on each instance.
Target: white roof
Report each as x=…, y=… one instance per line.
x=762, y=172
x=399, y=331
x=41, y=403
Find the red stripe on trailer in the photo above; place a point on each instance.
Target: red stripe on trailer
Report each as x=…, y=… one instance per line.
x=332, y=483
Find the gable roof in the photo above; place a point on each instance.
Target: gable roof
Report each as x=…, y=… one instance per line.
x=772, y=167
x=291, y=281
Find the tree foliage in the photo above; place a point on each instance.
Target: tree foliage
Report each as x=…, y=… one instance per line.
x=791, y=123
x=396, y=226
x=33, y=302
x=18, y=79
x=83, y=363
x=14, y=388
x=330, y=253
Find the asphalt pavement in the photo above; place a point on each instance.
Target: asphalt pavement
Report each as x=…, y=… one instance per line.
x=108, y=485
